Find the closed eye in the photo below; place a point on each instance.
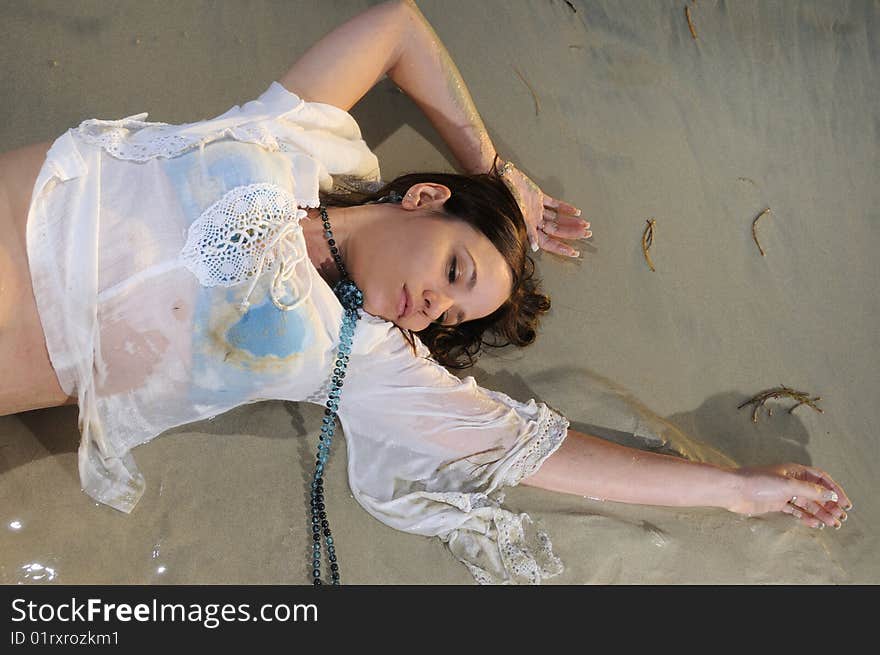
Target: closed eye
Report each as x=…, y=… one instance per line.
x=453, y=274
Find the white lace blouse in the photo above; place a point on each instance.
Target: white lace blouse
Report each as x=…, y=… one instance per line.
x=173, y=284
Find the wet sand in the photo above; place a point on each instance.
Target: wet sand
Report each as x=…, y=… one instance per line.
x=773, y=105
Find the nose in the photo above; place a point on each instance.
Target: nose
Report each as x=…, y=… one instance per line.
x=436, y=304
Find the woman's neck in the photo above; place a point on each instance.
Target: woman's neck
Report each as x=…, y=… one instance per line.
x=342, y=225
x=346, y=223
x=317, y=246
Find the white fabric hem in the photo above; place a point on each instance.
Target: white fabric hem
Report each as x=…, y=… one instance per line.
x=489, y=540
x=504, y=555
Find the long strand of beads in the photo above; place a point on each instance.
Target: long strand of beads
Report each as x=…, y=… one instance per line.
x=351, y=299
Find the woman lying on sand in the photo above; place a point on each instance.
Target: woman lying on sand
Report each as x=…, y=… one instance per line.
x=159, y=274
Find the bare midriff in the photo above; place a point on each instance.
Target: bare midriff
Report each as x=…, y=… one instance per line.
x=24, y=349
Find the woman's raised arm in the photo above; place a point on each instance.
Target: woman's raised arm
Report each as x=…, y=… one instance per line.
x=588, y=466
x=395, y=39
x=339, y=69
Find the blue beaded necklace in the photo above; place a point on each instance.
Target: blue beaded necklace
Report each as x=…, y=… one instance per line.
x=351, y=299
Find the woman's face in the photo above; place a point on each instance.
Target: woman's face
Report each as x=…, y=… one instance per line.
x=395, y=247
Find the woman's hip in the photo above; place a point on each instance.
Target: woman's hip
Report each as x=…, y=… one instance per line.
x=23, y=351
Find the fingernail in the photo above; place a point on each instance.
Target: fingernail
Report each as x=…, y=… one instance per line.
x=575, y=253
x=830, y=495
x=848, y=509
x=837, y=526
x=534, y=247
x=577, y=213
x=844, y=518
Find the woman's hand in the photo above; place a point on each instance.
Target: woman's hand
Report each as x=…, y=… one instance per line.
x=807, y=493
x=549, y=221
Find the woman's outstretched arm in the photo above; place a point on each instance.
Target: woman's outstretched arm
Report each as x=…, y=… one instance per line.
x=588, y=466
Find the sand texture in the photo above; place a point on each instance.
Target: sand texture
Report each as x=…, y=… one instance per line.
x=774, y=104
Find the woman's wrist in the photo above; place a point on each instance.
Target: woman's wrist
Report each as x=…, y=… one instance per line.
x=501, y=166
x=707, y=485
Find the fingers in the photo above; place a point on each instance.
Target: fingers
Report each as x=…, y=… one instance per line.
x=799, y=512
x=821, y=477
x=564, y=227
x=816, y=492
x=561, y=206
x=837, y=512
x=534, y=241
x=559, y=221
x=793, y=510
x=816, y=505
x=814, y=514
x=536, y=236
x=563, y=212
x=552, y=245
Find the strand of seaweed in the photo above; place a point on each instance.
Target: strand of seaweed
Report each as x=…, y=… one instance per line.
x=648, y=241
x=755, y=234
x=534, y=95
x=802, y=397
x=687, y=14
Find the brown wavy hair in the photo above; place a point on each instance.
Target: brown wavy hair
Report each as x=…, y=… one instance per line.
x=483, y=201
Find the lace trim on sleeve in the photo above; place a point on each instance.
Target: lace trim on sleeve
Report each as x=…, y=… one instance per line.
x=550, y=431
x=553, y=428
x=133, y=139
x=250, y=229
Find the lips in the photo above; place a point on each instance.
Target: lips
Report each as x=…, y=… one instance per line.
x=404, y=305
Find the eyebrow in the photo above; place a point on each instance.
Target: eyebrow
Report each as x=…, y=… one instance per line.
x=471, y=284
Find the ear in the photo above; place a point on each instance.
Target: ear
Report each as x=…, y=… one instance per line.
x=426, y=194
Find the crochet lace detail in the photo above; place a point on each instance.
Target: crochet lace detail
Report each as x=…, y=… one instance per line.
x=524, y=562
x=128, y=139
x=498, y=549
x=552, y=430
x=250, y=229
